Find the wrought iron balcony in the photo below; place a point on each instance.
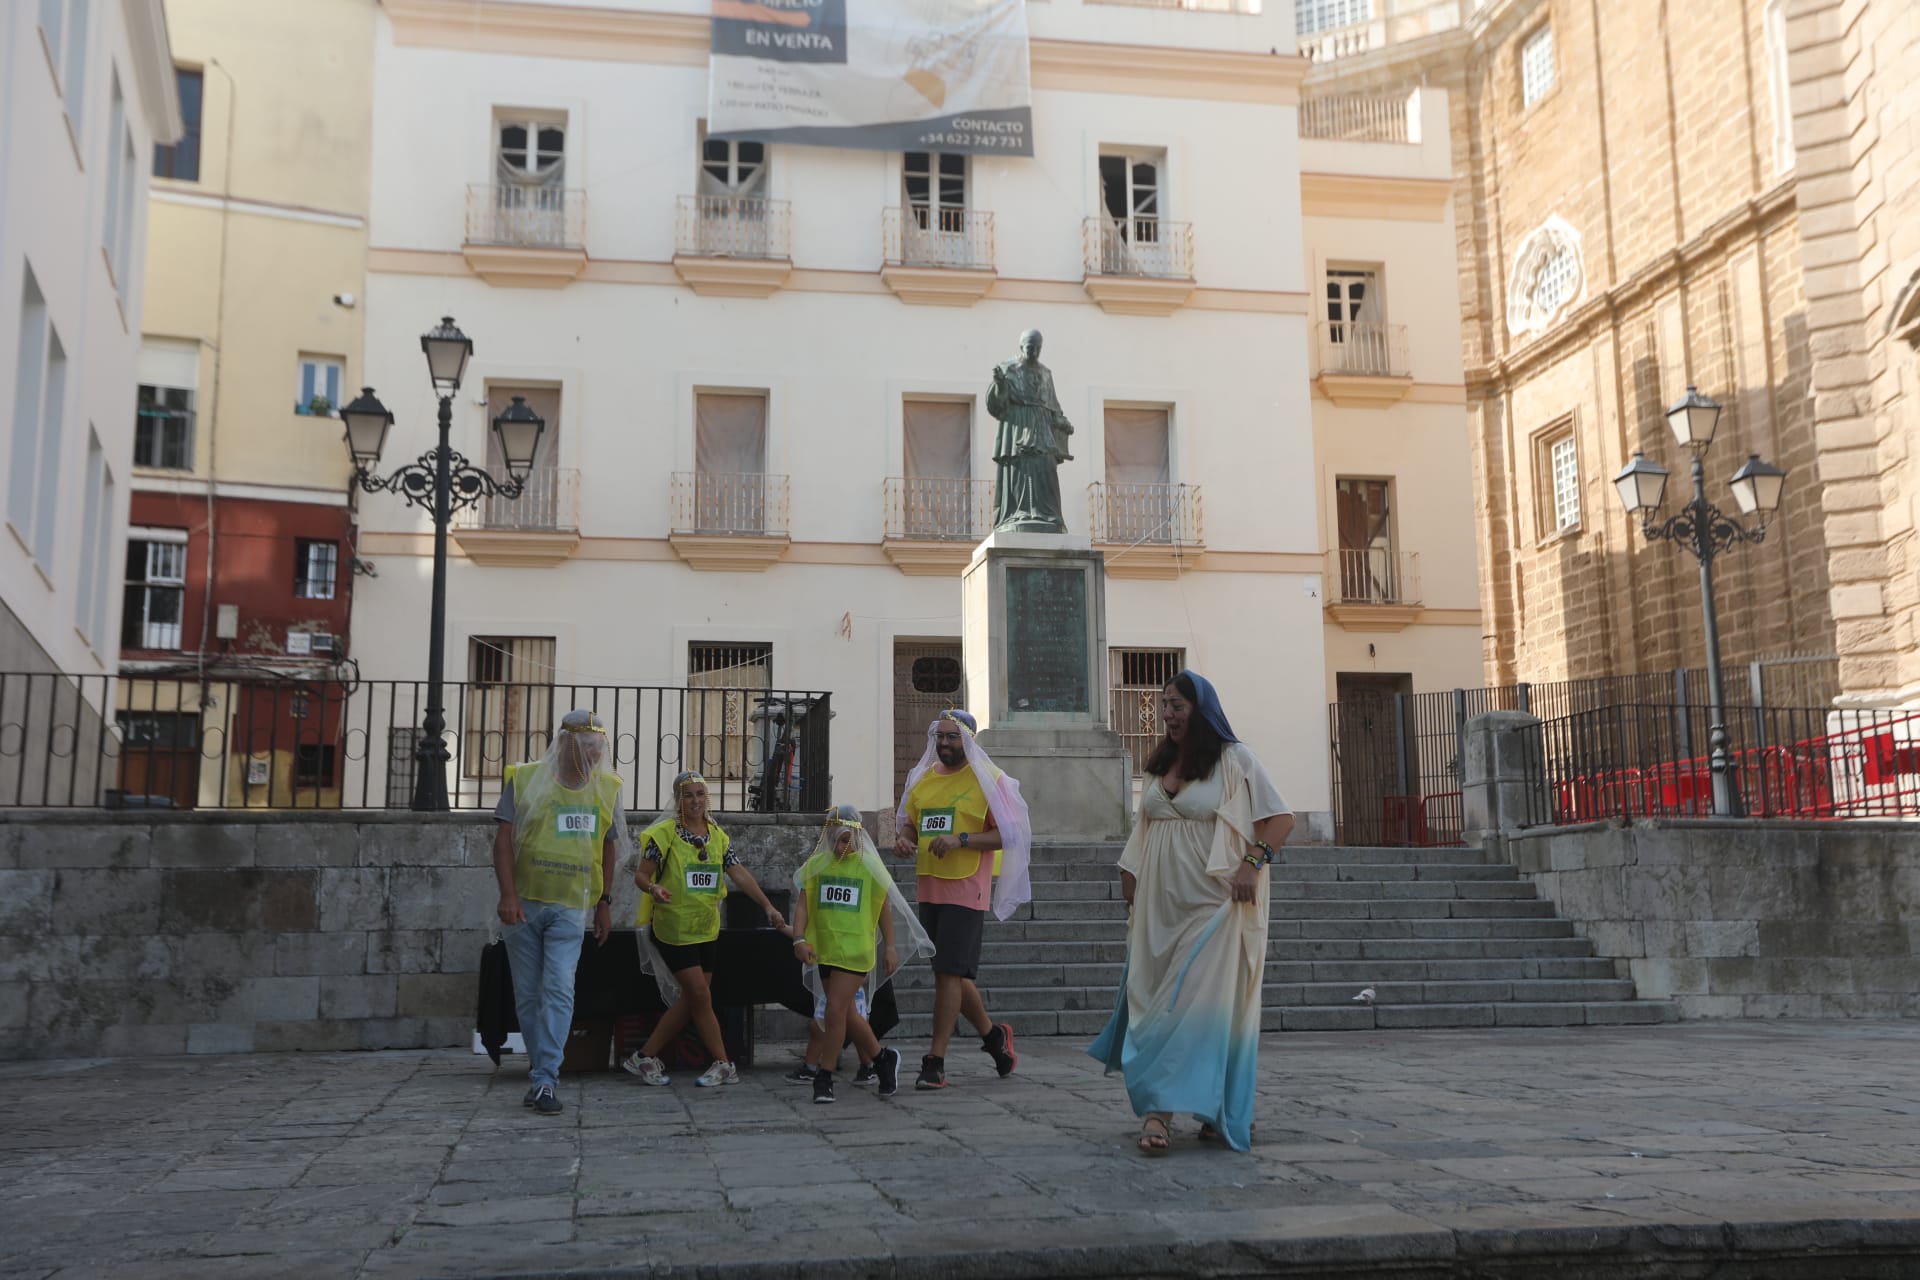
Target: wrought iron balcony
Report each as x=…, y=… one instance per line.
x=1358, y=117
x=734, y=227
x=1148, y=247
x=527, y=217
x=738, y=504
x=550, y=503
x=1373, y=576
x=1362, y=348
x=1145, y=514
x=919, y=236
x=934, y=510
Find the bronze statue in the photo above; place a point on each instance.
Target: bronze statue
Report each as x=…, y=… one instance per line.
x=1030, y=444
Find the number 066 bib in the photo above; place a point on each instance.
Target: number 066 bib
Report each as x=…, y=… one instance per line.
x=703, y=880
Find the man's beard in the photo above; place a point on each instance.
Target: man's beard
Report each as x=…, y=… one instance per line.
x=951, y=757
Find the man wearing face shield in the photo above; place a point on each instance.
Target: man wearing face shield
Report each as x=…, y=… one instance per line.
x=957, y=809
x=561, y=829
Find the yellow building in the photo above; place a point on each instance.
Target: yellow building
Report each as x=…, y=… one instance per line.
x=241, y=551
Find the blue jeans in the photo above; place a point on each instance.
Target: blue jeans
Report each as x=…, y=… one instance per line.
x=543, y=954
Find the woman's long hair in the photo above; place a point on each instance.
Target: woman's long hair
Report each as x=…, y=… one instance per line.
x=1199, y=752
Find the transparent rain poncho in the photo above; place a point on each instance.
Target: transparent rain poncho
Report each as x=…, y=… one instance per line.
x=652, y=963
x=845, y=845
x=1013, y=885
x=560, y=798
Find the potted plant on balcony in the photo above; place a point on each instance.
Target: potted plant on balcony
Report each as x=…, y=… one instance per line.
x=317, y=407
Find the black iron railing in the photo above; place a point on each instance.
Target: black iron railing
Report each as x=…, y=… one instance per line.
x=1820, y=763
x=280, y=741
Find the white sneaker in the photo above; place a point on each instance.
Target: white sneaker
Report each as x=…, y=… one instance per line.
x=719, y=1073
x=650, y=1070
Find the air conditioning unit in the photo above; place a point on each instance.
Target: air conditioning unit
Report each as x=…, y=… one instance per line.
x=326, y=645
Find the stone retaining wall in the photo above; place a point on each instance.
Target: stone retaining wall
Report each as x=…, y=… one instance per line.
x=227, y=932
x=1741, y=918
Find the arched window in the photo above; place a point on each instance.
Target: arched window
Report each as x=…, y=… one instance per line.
x=1549, y=276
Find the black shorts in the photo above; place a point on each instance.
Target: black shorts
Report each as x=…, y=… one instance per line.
x=696, y=955
x=955, y=931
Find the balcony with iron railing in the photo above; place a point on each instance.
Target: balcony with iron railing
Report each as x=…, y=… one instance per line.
x=1362, y=364
x=733, y=246
x=933, y=524
x=1373, y=588
x=729, y=520
x=526, y=236
x=541, y=527
x=937, y=257
x=1148, y=530
x=1138, y=266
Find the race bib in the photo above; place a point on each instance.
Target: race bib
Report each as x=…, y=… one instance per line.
x=840, y=895
x=576, y=824
x=699, y=881
x=936, y=822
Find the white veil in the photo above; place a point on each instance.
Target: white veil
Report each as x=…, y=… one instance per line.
x=910, y=940
x=1013, y=885
x=578, y=758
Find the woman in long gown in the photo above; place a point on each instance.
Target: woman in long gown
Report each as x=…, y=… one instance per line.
x=1185, y=1029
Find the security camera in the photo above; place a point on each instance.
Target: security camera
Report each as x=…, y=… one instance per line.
x=343, y=299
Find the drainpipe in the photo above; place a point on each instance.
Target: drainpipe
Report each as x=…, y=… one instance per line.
x=219, y=349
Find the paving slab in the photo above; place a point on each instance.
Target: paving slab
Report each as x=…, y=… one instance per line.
x=1598, y=1151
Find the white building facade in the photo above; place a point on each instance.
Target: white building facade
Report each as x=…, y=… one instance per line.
x=86, y=90
x=764, y=372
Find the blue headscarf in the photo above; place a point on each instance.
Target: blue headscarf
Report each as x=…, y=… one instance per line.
x=1208, y=705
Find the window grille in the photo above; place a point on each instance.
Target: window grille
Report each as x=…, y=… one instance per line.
x=725, y=680
x=509, y=703
x=1136, y=677
x=1536, y=66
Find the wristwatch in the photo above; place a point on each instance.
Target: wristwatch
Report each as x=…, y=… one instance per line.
x=964, y=835
x=606, y=900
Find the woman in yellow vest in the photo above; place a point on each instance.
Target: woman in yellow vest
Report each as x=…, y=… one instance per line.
x=848, y=914
x=683, y=860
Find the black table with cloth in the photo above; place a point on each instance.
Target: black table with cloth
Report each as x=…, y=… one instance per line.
x=755, y=966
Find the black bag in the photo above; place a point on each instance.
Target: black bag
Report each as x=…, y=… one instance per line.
x=496, y=1018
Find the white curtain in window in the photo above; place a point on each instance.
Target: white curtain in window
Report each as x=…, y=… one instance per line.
x=730, y=434
x=1137, y=446
x=938, y=437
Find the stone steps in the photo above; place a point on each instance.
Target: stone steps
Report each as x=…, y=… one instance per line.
x=1444, y=937
x=914, y=1029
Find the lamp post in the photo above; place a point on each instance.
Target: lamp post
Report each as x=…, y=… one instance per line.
x=440, y=482
x=1702, y=529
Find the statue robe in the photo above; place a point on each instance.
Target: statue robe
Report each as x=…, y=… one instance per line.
x=1030, y=444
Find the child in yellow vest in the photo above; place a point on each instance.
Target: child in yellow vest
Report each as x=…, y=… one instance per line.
x=683, y=861
x=848, y=915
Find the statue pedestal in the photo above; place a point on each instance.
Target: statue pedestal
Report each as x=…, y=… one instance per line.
x=1034, y=641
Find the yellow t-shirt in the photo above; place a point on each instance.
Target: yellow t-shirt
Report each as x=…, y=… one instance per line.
x=557, y=849
x=948, y=804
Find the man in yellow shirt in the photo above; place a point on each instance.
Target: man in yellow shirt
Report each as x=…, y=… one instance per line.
x=561, y=826
x=950, y=829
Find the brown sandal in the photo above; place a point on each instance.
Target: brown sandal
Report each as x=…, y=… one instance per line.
x=1210, y=1134
x=1151, y=1143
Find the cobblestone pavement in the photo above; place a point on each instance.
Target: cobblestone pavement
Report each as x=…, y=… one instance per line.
x=1428, y=1150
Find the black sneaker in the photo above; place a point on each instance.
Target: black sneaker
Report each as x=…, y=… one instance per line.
x=802, y=1074
x=533, y=1091
x=887, y=1068
x=933, y=1073
x=867, y=1074
x=823, y=1086
x=999, y=1044
x=544, y=1103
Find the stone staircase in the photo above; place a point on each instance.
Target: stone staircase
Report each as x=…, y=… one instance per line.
x=1444, y=937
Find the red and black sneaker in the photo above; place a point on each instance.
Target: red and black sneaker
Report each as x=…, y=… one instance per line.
x=933, y=1073
x=999, y=1044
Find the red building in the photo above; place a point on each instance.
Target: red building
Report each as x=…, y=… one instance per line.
x=260, y=648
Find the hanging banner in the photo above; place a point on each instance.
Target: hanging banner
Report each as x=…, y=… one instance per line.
x=888, y=75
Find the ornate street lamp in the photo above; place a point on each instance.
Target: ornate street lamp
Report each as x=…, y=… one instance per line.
x=1702, y=529
x=440, y=482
